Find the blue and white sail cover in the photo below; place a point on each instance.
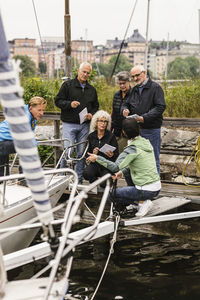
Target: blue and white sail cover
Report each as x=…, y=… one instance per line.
x=23, y=136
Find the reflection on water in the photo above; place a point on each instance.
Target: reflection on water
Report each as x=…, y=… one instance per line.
x=143, y=266
x=160, y=266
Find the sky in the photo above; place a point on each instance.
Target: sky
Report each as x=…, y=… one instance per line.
x=100, y=20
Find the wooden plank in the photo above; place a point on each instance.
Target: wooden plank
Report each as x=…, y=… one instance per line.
x=164, y=204
x=160, y=206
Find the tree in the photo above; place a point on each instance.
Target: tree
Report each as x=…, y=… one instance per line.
x=27, y=65
x=194, y=65
x=42, y=67
x=183, y=68
x=122, y=65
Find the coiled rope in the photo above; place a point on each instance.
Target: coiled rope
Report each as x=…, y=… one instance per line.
x=196, y=154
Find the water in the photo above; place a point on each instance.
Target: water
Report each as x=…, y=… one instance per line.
x=143, y=266
x=164, y=265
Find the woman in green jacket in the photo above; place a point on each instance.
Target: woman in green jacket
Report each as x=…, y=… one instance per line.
x=138, y=159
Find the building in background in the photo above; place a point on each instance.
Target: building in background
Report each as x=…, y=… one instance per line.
x=25, y=47
x=52, y=52
x=82, y=51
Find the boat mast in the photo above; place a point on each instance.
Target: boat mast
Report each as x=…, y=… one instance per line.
x=147, y=29
x=166, y=70
x=67, y=34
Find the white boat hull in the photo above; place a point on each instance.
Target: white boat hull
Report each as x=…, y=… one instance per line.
x=34, y=289
x=20, y=209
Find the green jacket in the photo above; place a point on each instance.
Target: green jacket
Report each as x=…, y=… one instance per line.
x=139, y=157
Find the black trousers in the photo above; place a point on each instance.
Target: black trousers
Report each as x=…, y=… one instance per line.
x=93, y=171
x=6, y=148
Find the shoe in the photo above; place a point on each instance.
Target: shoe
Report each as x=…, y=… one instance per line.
x=125, y=212
x=132, y=207
x=143, y=208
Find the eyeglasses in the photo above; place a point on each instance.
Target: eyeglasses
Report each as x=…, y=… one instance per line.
x=103, y=121
x=136, y=75
x=85, y=72
x=122, y=83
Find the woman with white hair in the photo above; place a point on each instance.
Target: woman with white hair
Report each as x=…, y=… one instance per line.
x=100, y=135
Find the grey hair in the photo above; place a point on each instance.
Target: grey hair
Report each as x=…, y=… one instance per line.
x=85, y=64
x=123, y=76
x=140, y=67
x=100, y=114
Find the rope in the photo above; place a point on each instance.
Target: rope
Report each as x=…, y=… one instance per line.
x=196, y=160
x=111, y=251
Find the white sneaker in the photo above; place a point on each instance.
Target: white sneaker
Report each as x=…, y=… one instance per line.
x=143, y=208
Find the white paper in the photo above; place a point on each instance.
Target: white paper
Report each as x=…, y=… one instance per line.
x=135, y=116
x=82, y=115
x=105, y=148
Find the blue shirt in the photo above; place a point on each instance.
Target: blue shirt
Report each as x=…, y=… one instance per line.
x=5, y=130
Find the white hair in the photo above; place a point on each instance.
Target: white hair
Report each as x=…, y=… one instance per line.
x=100, y=114
x=140, y=67
x=85, y=64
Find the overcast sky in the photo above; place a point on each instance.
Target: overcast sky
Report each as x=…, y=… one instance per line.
x=100, y=20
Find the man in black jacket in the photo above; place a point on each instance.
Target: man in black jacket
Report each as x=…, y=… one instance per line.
x=78, y=101
x=147, y=103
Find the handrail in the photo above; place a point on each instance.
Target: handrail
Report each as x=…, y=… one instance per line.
x=167, y=121
x=68, y=220
x=46, y=172
x=74, y=145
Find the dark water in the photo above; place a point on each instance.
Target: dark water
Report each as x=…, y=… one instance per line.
x=143, y=266
x=160, y=266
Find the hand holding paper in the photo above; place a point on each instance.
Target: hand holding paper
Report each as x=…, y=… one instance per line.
x=106, y=148
x=82, y=115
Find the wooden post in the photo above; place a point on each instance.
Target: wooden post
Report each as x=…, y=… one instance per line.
x=57, y=151
x=67, y=33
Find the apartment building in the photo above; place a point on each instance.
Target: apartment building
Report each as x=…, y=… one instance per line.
x=26, y=47
x=52, y=52
x=83, y=50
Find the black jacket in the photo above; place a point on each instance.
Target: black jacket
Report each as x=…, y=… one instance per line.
x=71, y=90
x=117, y=118
x=150, y=104
x=108, y=138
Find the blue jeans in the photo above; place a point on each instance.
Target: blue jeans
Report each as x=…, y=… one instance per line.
x=154, y=136
x=6, y=148
x=76, y=133
x=130, y=194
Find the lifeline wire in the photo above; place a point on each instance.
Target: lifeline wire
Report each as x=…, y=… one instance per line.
x=112, y=242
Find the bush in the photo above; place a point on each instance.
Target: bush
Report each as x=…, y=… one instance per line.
x=183, y=100
x=47, y=89
x=44, y=152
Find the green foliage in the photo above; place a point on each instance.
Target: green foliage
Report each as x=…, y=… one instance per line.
x=59, y=73
x=27, y=65
x=47, y=89
x=183, y=68
x=44, y=152
x=105, y=93
x=122, y=65
x=183, y=100
x=42, y=67
x=163, y=45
